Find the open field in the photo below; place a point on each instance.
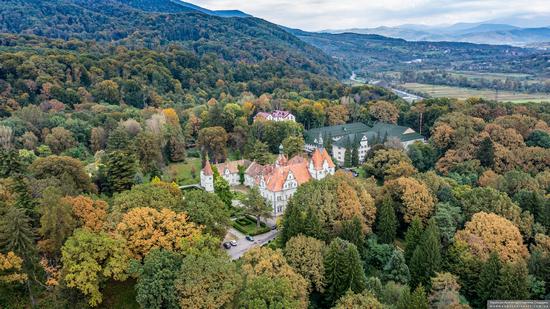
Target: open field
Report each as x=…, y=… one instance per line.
x=185, y=173
x=438, y=91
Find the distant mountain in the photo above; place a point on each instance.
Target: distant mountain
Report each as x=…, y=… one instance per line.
x=176, y=6
x=368, y=54
x=481, y=33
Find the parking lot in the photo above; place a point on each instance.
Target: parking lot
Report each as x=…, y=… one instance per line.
x=243, y=245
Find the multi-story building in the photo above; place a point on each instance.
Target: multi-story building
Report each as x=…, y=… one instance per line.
x=347, y=136
x=276, y=115
x=277, y=182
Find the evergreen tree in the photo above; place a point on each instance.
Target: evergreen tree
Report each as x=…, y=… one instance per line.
x=488, y=279
x=10, y=163
x=292, y=223
x=120, y=170
x=16, y=233
x=396, y=269
x=426, y=259
x=418, y=299
x=386, y=222
x=24, y=199
x=176, y=146
x=486, y=153
x=312, y=226
x=352, y=232
x=347, y=157
x=343, y=270
x=355, y=152
x=119, y=140
x=412, y=237
x=513, y=282
x=327, y=143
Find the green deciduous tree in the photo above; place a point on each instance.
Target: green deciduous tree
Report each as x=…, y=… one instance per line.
x=155, y=284
x=89, y=259
x=255, y=205
x=486, y=153
x=363, y=300
x=305, y=255
x=208, y=210
x=259, y=152
x=422, y=155
x=293, y=145
x=56, y=222
x=265, y=292
x=222, y=189
x=207, y=280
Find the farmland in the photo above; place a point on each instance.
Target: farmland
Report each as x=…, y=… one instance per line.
x=464, y=93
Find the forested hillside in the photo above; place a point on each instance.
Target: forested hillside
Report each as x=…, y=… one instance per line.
x=368, y=54
x=232, y=39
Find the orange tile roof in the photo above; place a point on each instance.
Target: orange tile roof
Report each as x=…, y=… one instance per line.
x=319, y=156
x=207, y=170
x=232, y=166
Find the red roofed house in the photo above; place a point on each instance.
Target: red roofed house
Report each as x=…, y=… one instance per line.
x=277, y=182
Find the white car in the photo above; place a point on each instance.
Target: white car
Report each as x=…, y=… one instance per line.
x=233, y=243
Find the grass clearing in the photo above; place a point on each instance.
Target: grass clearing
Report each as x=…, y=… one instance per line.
x=438, y=91
x=184, y=173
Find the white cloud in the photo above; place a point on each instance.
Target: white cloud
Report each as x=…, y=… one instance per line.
x=341, y=14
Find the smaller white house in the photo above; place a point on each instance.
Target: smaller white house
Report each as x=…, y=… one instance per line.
x=276, y=115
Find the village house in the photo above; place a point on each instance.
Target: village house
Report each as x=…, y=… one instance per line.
x=348, y=136
x=277, y=182
x=276, y=115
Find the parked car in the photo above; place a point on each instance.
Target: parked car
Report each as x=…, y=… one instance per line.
x=249, y=238
x=273, y=227
x=227, y=245
x=233, y=243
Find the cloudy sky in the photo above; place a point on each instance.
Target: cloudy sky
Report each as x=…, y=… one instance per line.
x=343, y=14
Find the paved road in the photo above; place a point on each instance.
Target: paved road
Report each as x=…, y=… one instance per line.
x=244, y=245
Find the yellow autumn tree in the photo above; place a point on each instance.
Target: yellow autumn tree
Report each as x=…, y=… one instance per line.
x=146, y=229
x=413, y=197
x=90, y=214
x=10, y=268
x=488, y=232
x=353, y=200
x=261, y=261
x=171, y=117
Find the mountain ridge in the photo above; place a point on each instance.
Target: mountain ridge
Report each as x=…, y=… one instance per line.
x=479, y=33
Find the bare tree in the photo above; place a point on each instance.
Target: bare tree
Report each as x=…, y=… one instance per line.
x=6, y=137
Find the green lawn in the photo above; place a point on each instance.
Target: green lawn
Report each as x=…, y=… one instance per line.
x=247, y=226
x=185, y=173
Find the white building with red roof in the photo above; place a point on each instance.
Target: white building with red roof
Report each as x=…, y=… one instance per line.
x=276, y=115
x=277, y=182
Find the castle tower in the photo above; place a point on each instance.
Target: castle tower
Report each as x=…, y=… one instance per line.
x=207, y=177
